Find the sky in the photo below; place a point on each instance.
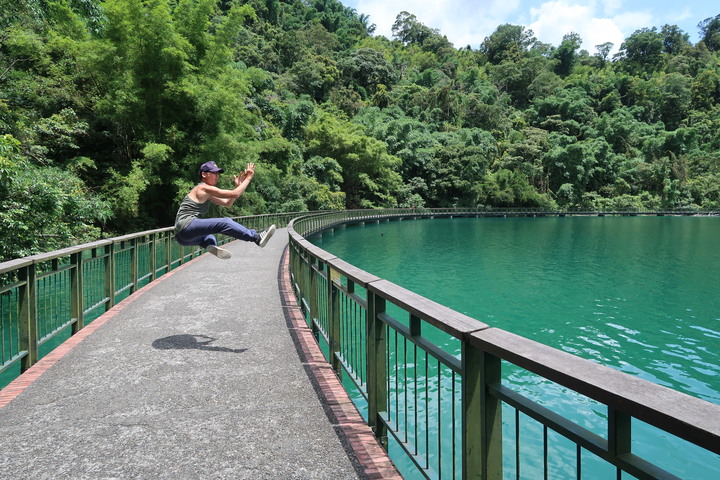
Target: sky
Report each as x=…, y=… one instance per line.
x=468, y=22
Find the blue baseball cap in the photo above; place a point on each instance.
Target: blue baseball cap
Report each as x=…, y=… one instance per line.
x=210, y=167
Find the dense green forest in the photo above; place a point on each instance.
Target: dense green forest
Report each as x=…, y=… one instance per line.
x=107, y=107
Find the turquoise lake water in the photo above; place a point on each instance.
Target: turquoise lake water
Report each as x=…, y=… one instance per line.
x=639, y=294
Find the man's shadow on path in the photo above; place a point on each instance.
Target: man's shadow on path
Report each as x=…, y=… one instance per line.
x=197, y=342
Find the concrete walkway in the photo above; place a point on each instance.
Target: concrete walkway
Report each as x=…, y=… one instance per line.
x=207, y=373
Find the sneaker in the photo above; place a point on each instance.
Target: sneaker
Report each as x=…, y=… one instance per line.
x=264, y=236
x=219, y=252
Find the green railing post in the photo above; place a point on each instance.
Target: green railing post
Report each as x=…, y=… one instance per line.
x=76, y=291
x=377, y=366
x=110, y=275
x=472, y=412
x=334, y=318
x=490, y=417
x=619, y=432
x=168, y=252
x=134, y=267
x=153, y=259
x=28, y=317
x=312, y=295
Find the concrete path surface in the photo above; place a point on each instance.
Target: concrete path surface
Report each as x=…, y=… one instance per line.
x=207, y=373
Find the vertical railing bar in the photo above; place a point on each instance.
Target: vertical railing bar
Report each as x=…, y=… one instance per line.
x=439, y=418
x=353, y=331
x=517, y=444
x=2, y=327
x=45, y=320
x=40, y=305
x=579, y=462
x=389, y=390
x=427, y=412
x=452, y=429
x=405, y=389
x=415, y=400
x=361, y=315
x=387, y=393
x=545, y=452
x=358, y=327
x=396, y=395
x=342, y=326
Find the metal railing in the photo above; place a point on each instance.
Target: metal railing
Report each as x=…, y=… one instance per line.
x=433, y=385
x=46, y=296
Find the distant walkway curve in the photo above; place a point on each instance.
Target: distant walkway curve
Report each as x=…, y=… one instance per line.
x=198, y=380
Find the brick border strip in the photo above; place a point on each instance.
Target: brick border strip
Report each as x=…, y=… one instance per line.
x=17, y=386
x=370, y=459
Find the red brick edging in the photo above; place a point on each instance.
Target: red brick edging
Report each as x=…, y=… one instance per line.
x=362, y=442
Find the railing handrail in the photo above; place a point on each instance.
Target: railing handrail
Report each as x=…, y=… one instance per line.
x=16, y=263
x=626, y=396
x=685, y=416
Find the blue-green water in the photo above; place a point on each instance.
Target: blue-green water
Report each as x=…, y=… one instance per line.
x=639, y=294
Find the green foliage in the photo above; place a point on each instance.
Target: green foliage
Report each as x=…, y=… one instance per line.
x=108, y=107
x=44, y=208
x=368, y=170
x=508, y=42
x=710, y=31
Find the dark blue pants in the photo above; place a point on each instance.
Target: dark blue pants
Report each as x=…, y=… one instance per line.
x=200, y=232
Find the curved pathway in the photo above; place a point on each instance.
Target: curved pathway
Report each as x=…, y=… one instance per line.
x=207, y=373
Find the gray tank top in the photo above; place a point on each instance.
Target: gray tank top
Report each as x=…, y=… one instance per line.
x=188, y=211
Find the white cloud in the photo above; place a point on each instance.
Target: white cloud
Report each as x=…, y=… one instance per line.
x=608, y=7
x=631, y=21
x=553, y=20
x=468, y=22
x=464, y=22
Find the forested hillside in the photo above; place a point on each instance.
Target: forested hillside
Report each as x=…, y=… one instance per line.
x=108, y=107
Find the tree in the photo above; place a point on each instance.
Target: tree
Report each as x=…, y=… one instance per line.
x=603, y=52
x=368, y=68
x=566, y=54
x=710, y=33
x=516, y=77
x=459, y=165
x=409, y=139
x=507, y=42
x=44, y=208
x=368, y=171
x=674, y=99
x=674, y=39
x=585, y=165
x=640, y=52
x=507, y=188
x=706, y=90
x=409, y=30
